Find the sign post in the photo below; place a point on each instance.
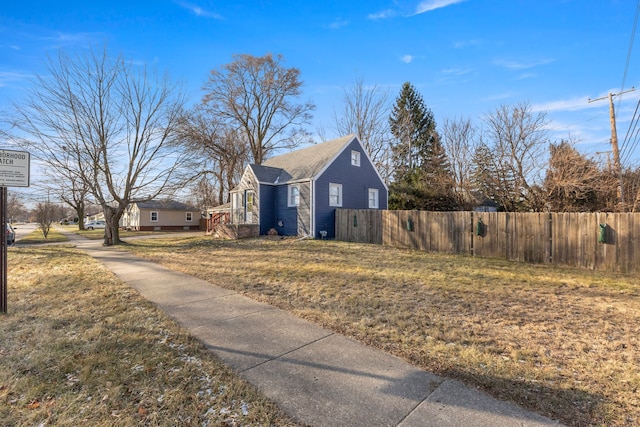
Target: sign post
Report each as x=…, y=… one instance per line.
x=14, y=172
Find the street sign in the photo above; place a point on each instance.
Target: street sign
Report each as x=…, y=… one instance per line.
x=14, y=168
x=14, y=172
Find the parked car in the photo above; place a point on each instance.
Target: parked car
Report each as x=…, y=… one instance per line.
x=11, y=235
x=92, y=225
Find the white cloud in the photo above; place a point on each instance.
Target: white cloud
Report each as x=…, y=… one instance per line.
x=422, y=7
x=197, y=10
x=456, y=71
x=66, y=38
x=407, y=59
x=570, y=104
x=514, y=65
x=464, y=43
x=429, y=5
x=499, y=96
x=525, y=76
x=338, y=23
x=7, y=76
x=388, y=13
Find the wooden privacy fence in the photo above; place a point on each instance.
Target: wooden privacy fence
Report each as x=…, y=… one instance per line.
x=596, y=241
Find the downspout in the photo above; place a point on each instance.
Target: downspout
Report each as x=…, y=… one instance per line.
x=256, y=203
x=312, y=211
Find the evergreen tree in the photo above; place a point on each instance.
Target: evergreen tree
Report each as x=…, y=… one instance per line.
x=421, y=177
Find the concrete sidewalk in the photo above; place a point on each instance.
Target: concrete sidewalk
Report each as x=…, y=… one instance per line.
x=317, y=376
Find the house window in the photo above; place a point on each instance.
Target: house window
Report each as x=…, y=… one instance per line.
x=355, y=158
x=249, y=195
x=154, y=216
x=294, y=195
x=373, y=198
x=335, y=194
x=189, y=216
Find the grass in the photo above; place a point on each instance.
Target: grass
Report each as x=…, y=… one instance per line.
x=77, y=346
x=98, y=234
x=562, y=342
x=36, y=237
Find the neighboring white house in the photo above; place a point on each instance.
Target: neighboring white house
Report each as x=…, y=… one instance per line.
x=161, y=215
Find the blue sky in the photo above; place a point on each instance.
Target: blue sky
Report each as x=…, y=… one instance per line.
x=466, y=57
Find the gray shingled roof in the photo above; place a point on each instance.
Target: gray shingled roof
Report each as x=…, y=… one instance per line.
x=305, y=163
x=268, y=174
x=171, y=205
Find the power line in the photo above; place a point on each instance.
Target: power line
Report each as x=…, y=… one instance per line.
x=633, y=36
x=627, y=148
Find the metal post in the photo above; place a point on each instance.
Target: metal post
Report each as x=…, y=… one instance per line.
x=3, y=250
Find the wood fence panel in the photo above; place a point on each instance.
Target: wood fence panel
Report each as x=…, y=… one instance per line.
x=491, y=242
x=428, y=231
x=618, y=225
x=372, y=220
x=573, y=236
x=510, y=236
x=570, y=239
x=339, y=225
x=359, y=225
x=633, y=243
x=561, y=241
x=592, y=254
x=622, y=234
x=376, y=227
x=531, y=241
x=452, y=232
x=402, y=226
x=628, y=240
x=462, y=228
x=422, y=230
x=559, y=238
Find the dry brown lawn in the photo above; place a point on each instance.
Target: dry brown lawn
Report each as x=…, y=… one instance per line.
x=36, y=236
x=78, y=347
x=561, y=342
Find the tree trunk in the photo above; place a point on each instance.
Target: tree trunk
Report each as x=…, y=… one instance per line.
x=112, y=230
x=80, y=215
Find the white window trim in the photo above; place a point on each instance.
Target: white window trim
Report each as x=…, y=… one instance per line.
x=290, y=202
x=376, y=199
x=339, y=188
x=188, y=216
x=355, y=158
x=151, y=216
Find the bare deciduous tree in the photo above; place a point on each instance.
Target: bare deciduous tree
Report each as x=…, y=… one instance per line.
x=459, y=140
x=222, y=150
x=514, y=141
x=204, y=194
x=111, y=125
x=366, y=113
x=257, y=95
x=66, y=184
x=15, y=208
x=574, y=182
x=46, y=213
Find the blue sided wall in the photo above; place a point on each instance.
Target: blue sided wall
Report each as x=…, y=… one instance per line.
x=267, y=208
x=356, y=182
x=286, y=218
x=292, y=220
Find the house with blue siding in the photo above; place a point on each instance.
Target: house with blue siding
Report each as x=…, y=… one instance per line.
x=297, y=194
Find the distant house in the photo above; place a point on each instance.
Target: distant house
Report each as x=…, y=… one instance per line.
x=296, y=194
x=160, y=215
x=487, y=205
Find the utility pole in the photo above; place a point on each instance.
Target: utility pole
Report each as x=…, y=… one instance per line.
x=617, y=167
